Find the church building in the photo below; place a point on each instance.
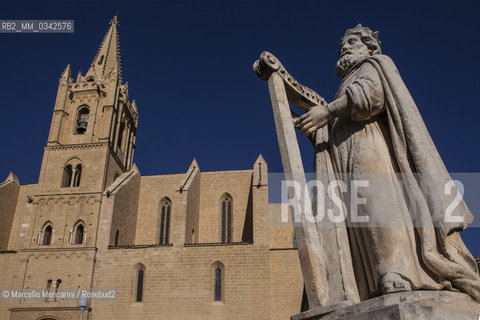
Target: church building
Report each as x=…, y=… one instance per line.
x=189, y=245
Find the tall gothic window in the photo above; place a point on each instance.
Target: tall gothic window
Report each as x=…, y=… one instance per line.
x=47, y=235
x=140, y=278
x=226, y=218
x=117, y=236
x=166, y=207
x=218, y=276
x=82, y=120
x=79, y=234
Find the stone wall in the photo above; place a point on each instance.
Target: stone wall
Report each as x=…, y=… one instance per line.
x=179, y=283
x=213, y=186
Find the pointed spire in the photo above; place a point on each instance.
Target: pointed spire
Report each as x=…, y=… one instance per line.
x=66, y=75
x=107, y=63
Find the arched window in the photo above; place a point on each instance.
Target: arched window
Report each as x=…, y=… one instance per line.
x=120, y=134
x=57, y=284
x=140, y=278
x=77, y=173
x=117, y=234
x=79, y=234
x=226, y=218
x=82, y=119
x=47, y=289
x=165, y=209
x=218, y=281
x=67, y=176
x=47, y=235
x=72, y=173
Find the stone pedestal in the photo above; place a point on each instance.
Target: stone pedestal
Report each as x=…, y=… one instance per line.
x=417, y=305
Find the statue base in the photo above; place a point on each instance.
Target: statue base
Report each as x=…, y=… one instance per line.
x=418, y=305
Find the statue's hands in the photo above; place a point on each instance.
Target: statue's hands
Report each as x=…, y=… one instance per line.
x=316, y=118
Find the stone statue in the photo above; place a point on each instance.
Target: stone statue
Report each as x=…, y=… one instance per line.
x=373, y=131
x=376, y=128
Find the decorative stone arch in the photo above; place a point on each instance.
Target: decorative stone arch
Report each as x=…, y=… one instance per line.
x=139, y=282
x=226, y=218
x=164, y=214
x=48, y=318
x=46, y=235
x=217, y=270
x=81, y=121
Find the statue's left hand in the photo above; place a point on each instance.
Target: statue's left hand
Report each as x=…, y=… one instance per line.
x=316, y=118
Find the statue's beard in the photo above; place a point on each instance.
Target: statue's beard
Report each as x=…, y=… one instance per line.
x=347, y=62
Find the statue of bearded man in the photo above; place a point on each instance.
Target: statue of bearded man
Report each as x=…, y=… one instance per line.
x=376, y=134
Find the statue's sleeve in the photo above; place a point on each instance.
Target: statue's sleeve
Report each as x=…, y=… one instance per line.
x=365, y=94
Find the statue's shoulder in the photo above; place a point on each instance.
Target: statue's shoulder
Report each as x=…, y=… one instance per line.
x=383, y=63
x=381, y=59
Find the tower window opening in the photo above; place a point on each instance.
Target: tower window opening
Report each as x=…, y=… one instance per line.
x=72, y=173
x=47, y=236
x=57, y=284
x=67, y=176
x=77, y=175
x=79, y=234
x=117, y=235
x=120, y=134
x=82, y=120
x=47, y=289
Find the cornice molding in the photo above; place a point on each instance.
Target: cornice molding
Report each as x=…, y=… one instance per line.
x=77, y=146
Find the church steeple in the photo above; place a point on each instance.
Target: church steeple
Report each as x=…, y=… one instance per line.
x=106, y=63
x=95, y=117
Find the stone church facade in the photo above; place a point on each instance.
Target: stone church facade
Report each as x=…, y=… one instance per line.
x=192, y=245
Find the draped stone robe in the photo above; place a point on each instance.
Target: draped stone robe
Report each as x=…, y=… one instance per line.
x=384, y=141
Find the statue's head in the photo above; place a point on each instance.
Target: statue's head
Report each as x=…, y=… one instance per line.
x=357, y=44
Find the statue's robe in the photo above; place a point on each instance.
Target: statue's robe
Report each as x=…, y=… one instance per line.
x=384, y=140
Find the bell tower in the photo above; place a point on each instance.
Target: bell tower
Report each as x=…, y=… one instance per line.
x=93, y=128
x=91, y=143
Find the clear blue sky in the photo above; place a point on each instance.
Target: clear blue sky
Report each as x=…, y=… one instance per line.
x=189, y=67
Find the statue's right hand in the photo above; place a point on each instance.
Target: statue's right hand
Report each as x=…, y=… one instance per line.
x=316, y=118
